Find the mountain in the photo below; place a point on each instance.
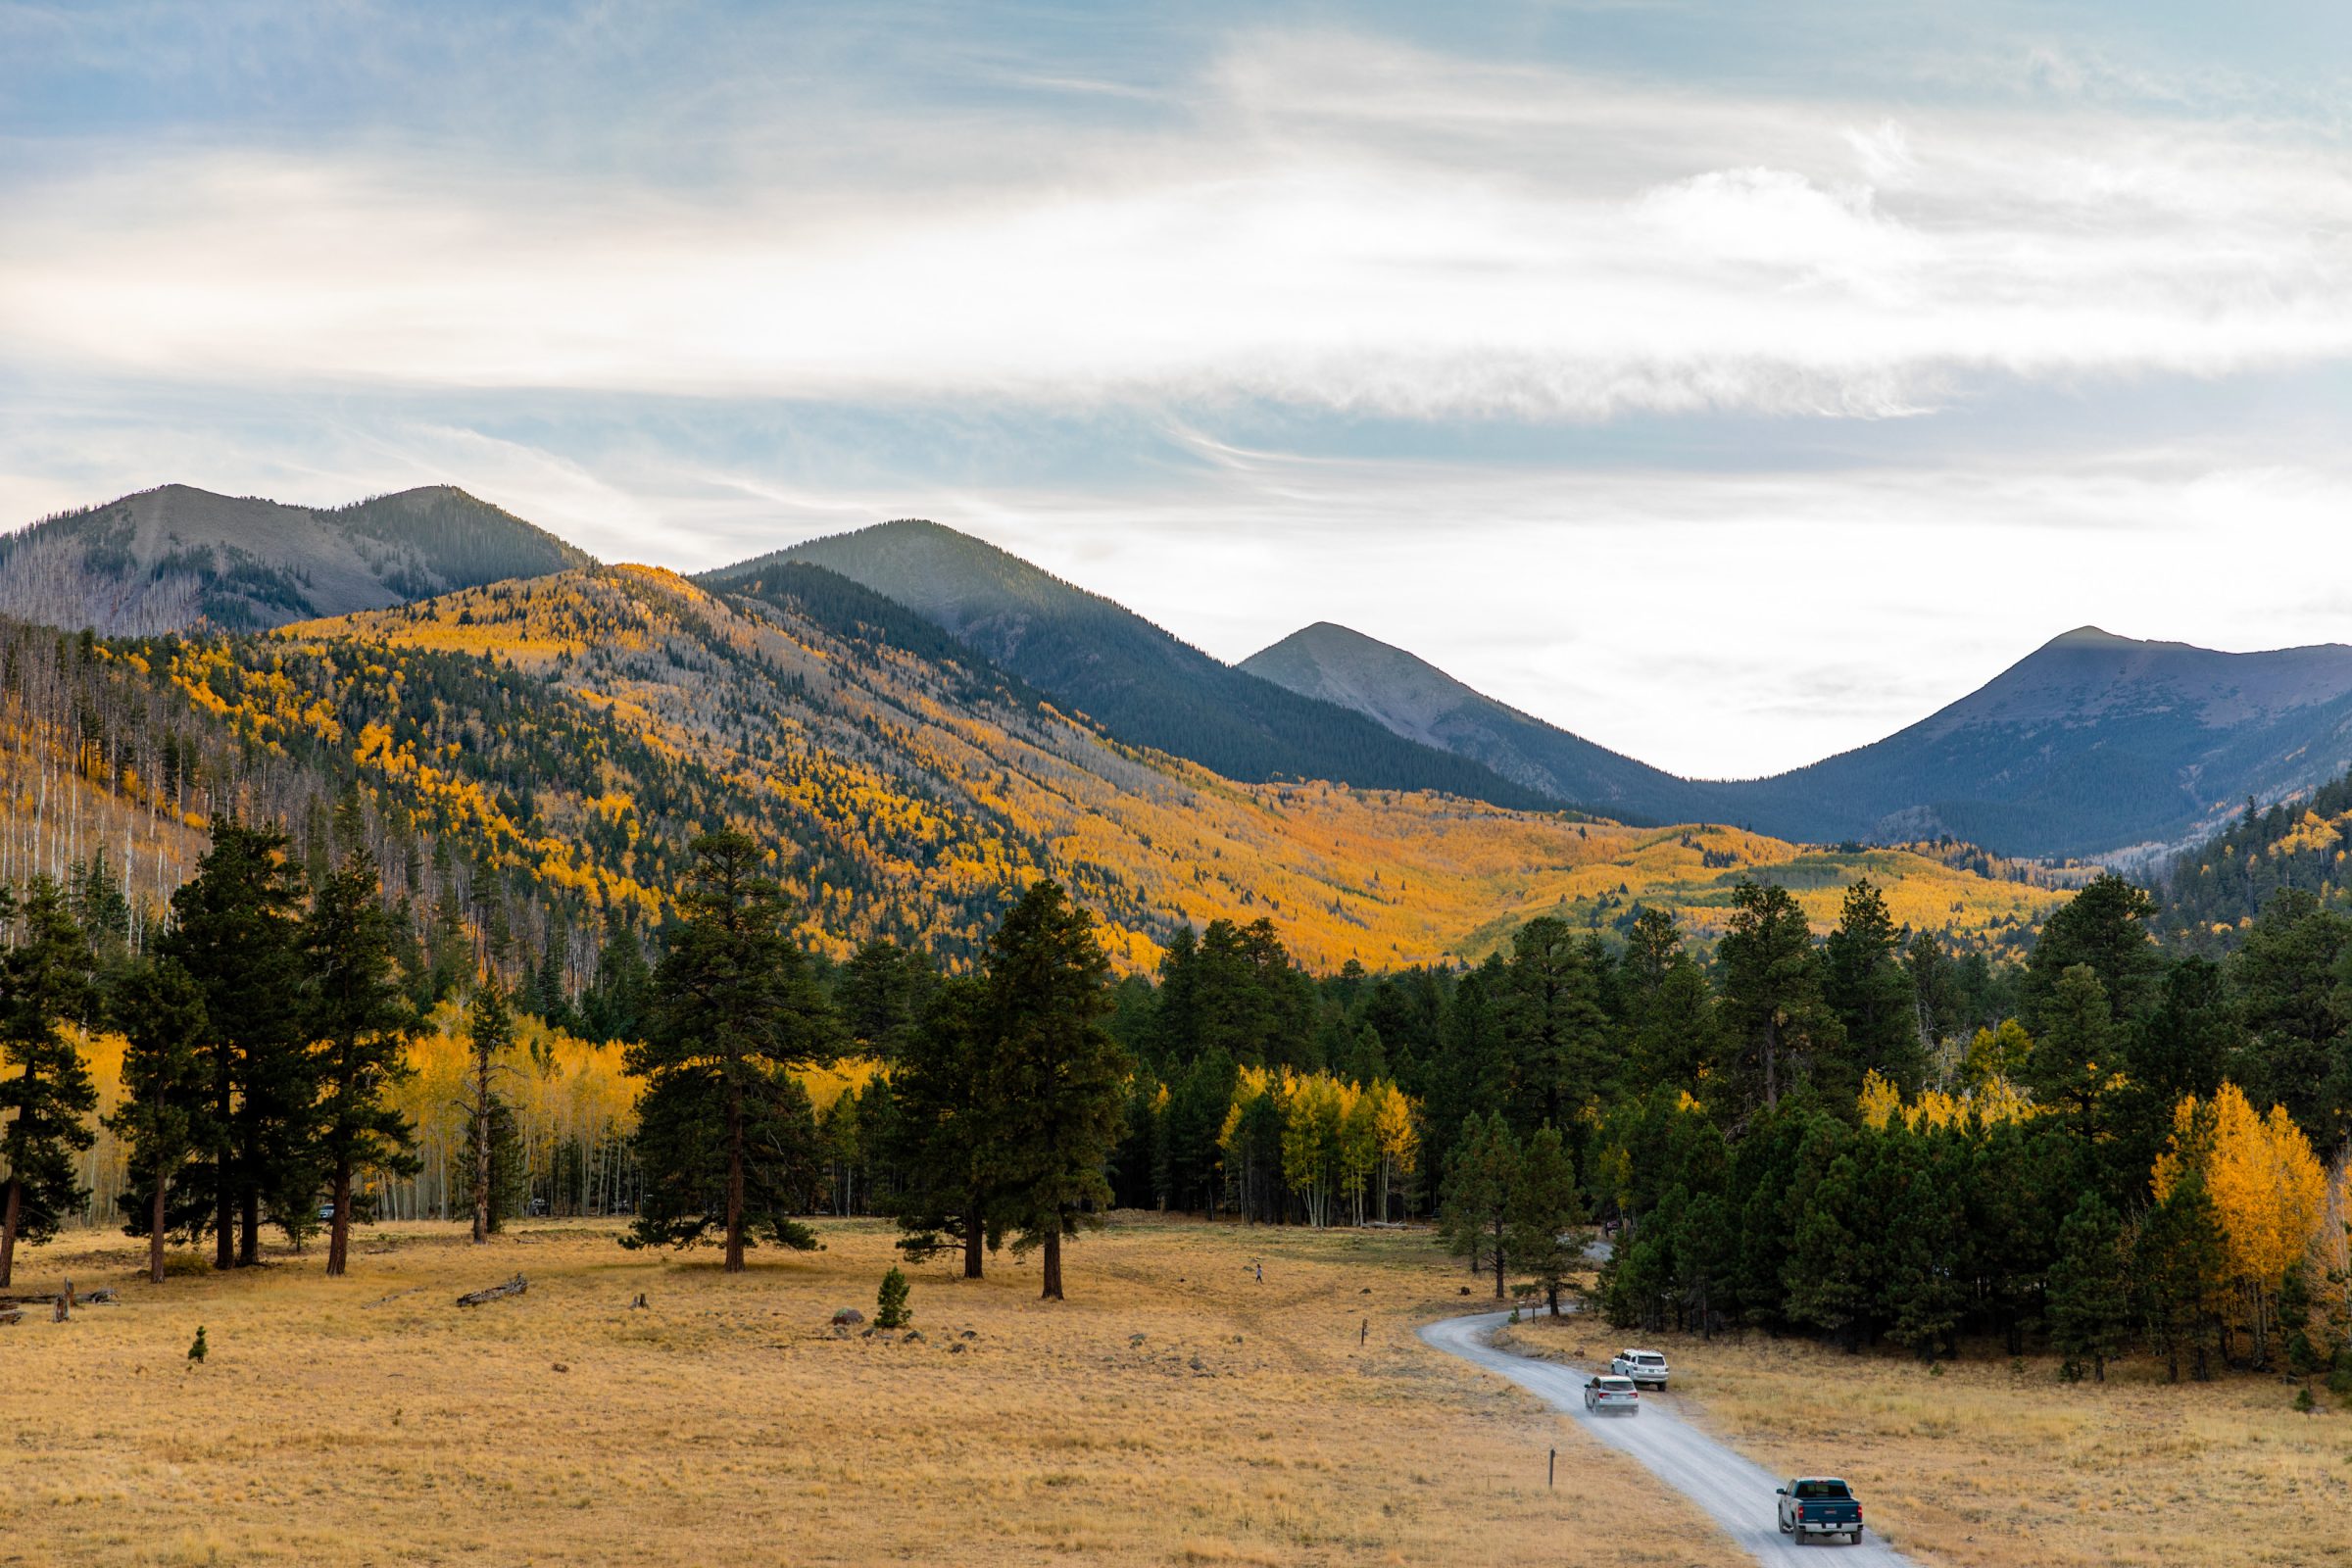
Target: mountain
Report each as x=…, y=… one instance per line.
x=170, y=558
x=2093, y=745
x=1420, y=701
x=532, y=759
x=1138, y=682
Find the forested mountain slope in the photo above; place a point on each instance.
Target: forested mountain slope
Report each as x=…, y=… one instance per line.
x=170, y=558
x=1141, y=684
x=2213, y=893
x=2092, y=745
x=529, y=760
x=1421, y=702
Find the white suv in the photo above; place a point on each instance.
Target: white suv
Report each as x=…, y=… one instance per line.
x=1646, y=1367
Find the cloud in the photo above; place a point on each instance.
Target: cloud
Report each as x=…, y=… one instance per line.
x=1337, y=224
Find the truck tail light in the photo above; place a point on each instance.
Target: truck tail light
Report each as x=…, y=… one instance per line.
x=1800, y=1513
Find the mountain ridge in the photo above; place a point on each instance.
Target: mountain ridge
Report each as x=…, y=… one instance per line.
x=176, y=557
x=1139, y=681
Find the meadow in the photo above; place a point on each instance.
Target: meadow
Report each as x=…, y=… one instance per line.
x=1996, y=1463
x=1174, y=1410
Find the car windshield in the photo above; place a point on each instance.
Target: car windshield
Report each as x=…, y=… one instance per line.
x=1822, y=1488
x=1648, y=1358
x=1616, y=1385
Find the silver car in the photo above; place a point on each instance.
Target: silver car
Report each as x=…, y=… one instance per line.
x=1646, y=1367
x=1612, y=1393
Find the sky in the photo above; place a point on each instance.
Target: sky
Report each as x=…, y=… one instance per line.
x=1731, y=384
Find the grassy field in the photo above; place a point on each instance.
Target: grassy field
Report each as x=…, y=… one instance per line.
x=1994, y=1464
x=1174, y=1410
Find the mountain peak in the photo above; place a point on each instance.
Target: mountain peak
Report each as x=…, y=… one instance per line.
x=176, y=556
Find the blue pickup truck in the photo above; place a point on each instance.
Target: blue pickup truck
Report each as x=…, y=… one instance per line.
x=1820, y=1505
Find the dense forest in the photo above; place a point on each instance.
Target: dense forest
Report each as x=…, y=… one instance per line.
x=2214, y=893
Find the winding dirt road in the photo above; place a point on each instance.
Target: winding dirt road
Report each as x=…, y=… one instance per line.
x=1736, y=1492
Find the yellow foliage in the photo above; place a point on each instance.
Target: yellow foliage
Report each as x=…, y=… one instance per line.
x=2268, y=1190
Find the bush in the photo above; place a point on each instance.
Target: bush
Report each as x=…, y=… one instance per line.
x=890, y=1303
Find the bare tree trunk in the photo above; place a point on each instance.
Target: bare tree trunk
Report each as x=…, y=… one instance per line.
x=1498, y=1264
x=155, y=1230
x=1772, y=1064
x=249, y=1228
x=10, y=1214
x=1052, y=1290
x=734, y=1263
x=974, y=1239
x=338, y=1233
x=482, y=1148
x=225, y=1221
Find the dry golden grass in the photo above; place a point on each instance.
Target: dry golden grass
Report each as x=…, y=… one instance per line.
x=370, y=1420
x=1996, y=1465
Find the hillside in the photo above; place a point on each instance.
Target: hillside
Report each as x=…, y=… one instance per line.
x=2092, y=745
x=1138, y=683
x=2212, y=893
x=917, y=785
x=174, y=557
x=1419, y=700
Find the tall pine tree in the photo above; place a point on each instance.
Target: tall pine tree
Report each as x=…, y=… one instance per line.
x=359, y=1029
x=159, y=1011
x=1061, y=1075
x=45, y=1088
x=734, y=1012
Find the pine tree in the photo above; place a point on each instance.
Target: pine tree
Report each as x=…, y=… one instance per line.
x=890, y=1302
x=946, y=1137
x=2091, y=1287
x=734, y=1011
x=233, y=931
x=491, y=1026
x=1546, y=1207
x=45, y=1088
x=2178, y=1262
x=1480, y=1183
x=359, y=1023
x=1864, y=983
x=1771, y=976
x=159, y=1011
x=1059, y=1075
x=1554, y=1021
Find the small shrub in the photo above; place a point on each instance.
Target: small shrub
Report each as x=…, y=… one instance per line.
x=890, y=1303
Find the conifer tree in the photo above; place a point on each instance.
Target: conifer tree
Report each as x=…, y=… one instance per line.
x=1864, y=983
x=2091, y=1287
x=1060, y=1078
x=233, y=931
x=947, y=1137
x=358, y=1028
x=492, y=1028
x=890, y=1301
x=2177, y=1262
x=733, y=1011
x=45, y=1088
x=1480, y=1183
x=1553, y=1020
x=1771, y=976
x=163, y=1116
x=1546, y=1207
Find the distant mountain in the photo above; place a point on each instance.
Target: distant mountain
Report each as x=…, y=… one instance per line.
x=1415, y=698
x=2092, y=745
x=1142, y=685
x=173, y=558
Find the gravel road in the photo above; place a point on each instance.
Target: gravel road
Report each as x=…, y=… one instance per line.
x=1736, y=1492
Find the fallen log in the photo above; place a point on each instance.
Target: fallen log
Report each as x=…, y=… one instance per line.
x=12, y=1315
x=513, y=1287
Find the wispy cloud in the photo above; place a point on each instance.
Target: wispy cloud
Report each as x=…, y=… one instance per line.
x=1338, y=223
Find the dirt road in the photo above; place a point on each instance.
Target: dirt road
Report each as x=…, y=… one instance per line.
x=1736, y=1492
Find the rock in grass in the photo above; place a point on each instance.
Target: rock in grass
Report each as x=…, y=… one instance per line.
x=849, y=1314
